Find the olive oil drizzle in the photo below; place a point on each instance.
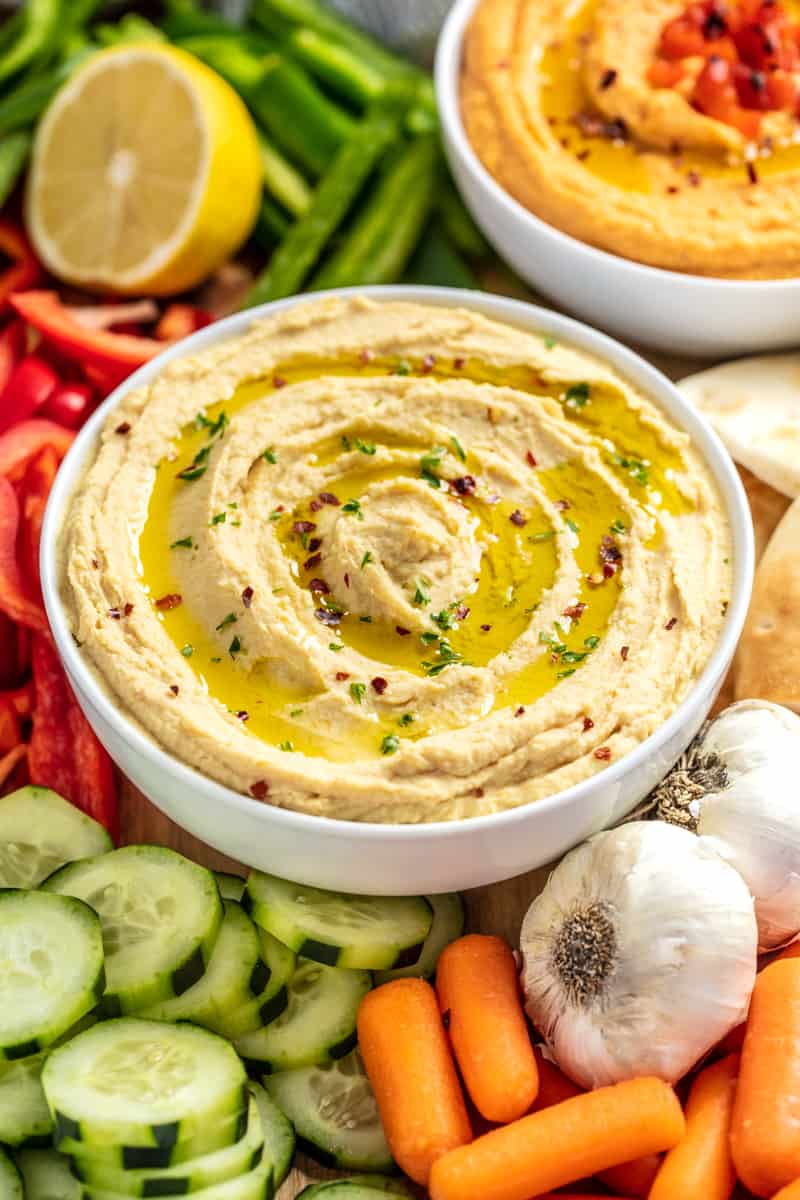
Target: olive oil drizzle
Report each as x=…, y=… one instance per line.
x=518, y=562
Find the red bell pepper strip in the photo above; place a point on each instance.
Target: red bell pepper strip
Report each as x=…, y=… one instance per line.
x=34, y=490
x=15, y=600
x=64, y=753
x=8, y=764
x=116, y=354
x=10, y=727
x=12, y=348
x=20, y=444
x=31, y=385
x=25, y=270
x=179, y=320
x=20, y=699
x=69, y=404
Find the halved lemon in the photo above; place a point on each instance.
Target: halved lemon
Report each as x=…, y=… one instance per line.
x=146, y=173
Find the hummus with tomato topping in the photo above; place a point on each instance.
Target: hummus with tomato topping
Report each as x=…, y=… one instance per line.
x=397, y=563
x=659, y=131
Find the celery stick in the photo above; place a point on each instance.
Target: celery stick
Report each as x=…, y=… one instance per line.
x=306, y=125
x=336, y=65
x=272, y=225
x=283, y=180
x=14, y=153
x=457, y=222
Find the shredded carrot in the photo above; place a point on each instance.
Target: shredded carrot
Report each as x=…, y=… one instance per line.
x=766, y=1111
x=701, y=1165
x=480, y=998
x=407, y=1058
x=568, y=1142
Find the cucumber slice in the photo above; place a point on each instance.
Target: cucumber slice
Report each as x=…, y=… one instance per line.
x=279, y=1139
x=231, y=887
x=24, y=1116
x=317, y=1025
x=142, y=1083
x=192, y=1176
x=235, y=975
x=46, y=1176
x=281, y=963
x=160, y=915
x=372, y=932
x=258, y=1184
x=39, y=832
x=448, y=924
x=334, y=1113
x=357, y=1187
x=10, y=1180
x=160, y=1158
x=51, y=951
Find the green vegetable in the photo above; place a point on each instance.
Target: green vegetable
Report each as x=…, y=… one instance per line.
x=436, y=262
x=184, y=19
x=38, y=35
x=333, y=199
x=14, y=153
x=457, y=223
x=272, y=224
x=130, y=28
x=337, y=66
x=25, y=103
x=387, y=229
x=283, y=181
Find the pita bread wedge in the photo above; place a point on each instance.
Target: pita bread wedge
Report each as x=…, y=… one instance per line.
x=754, y=405
x=767, y=663
x=766, y=507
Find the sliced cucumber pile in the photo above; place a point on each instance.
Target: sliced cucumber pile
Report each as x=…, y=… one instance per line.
x=334, y=1112
x=281, y=963
x=51, y=951
x=448, y=924
x=160, y=915
x=46, y=1175
x=143, y=1084
x=371, y=932
x=279, y=1139
x=356, y=1187
x=318, y=1024
x=231, y=887
x=10, y=1179
x=135, y=1158
x=24, y=1116
x=40, y=832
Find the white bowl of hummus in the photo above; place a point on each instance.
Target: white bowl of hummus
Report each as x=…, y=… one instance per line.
x=396, y=590
x=618, y=199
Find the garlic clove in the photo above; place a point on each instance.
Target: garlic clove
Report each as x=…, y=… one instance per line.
x=744, y=734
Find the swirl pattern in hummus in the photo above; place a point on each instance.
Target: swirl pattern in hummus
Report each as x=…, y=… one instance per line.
x=395, y=563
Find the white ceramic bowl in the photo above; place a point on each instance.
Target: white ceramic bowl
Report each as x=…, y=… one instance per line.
x=403, y=859
x=686, y=315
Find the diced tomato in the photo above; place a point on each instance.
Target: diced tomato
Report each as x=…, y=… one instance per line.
x=782, y=89
x=751, y=88
x=766, y=45
x=69, y=404
x=665, y=74
x=715, y=95
x=682, y=38
x=31, y=385
x=180, y=320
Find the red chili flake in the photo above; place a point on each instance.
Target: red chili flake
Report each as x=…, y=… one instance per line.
x=490, y=415
x=329, y=498
x=171, y=600
x=314, y=545
x=530, y=460
x=312, y=561
x=114, y=613
x=624, y=652
x=326, y=617
x=95, y=564
x=575, y=611
x=603, y=753
x=459, y=363
x=123, y=428
x=752, y=173
x=518, y=519
x=428, y=363
x=520, y=711
x=503, y=64
x=609, y=570
x=319, y=585
x=461, y=613
x=465, y=485
x=260, y=789
x=672, y=190
x=588, y=724
x=341, y=676
x=609, y=550
x=671, y=623
x=303, y=527
x=366, y=356
x=127, y=610
x=173, y=687
x=315, y=505
x=280, y=508
x=402, y=631
x=485, y=628
x=247, y=597
x=278, y=381
x=593, y=125
x=609, y=79
x=243, y=714
x=582, y=155
x=563, y=505
x=694, y=178
x=478, y=792
x=379, y=684
x=347, y=579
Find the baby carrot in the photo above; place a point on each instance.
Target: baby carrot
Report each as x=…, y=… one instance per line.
x=790, y=1192
x=700, y=1165
x=553, y=1083
x=766, y=1111
x=633, y=1179
x=477, y=984
x=790, y=951
x=407, y=1058
x=570, y=1141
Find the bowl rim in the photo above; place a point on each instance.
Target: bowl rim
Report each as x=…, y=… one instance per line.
x=446, y=73
x=530, y=317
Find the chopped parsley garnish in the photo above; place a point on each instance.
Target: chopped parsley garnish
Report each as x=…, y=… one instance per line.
x=636, y=468
x=269, y=455
x=578, y=395
x=188, y=650
x=353, y=507
x=235, y=646
x=335, y=646
x=459, y=449
x=186, y=543
x=545, y=536
x=226, y=621
x=215, y=427
x=573, y=656
x=199, y=463
x=218, y=519
x=366, y=447
x=357, y=691
x=617, y=526
x=403, y=367
x=287, y=745
x=390, y=744
x=432, y=459
x=573, y=525
x=367, y=559
x=296, y=712
x=549, y=342
x=428, y=639
x=365, y=620
x=406, y=719
x=592, y=642
x=275, y=515
x=565, y=674
x=447, y=657
x=197, y=466
x=345, y=442
x=422, y=595
x=444, y=619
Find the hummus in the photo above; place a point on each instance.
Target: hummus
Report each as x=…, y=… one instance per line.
x=395, y=563
x=558, y=102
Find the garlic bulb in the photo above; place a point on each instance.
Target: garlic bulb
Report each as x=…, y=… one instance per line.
x=738, y=788
x=639, y=955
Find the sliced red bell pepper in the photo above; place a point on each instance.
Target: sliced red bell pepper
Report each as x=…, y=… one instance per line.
x=64, y=753
x=34, y=490
x=24, y=271
x=20, y=444
x=69, y=405
x=179, y=320
x=20, y=699
x=116, y=354
x=23, y=635
x=10, y=727
x=15, y=599
x=32, y=383
x=8, y=765
x=12, y=348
